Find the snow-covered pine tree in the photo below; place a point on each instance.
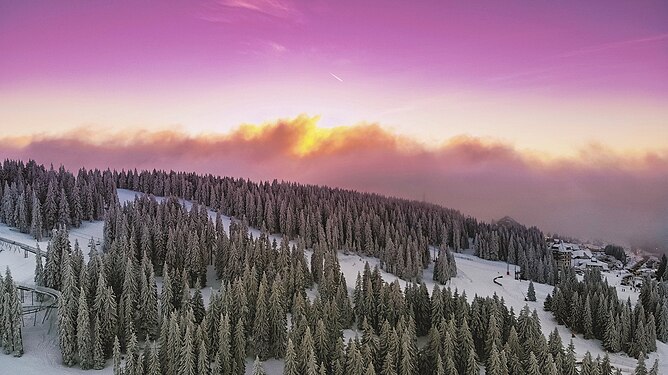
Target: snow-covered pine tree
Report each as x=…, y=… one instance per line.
x=531, y=292
x=51, y=206
x=39, y=268
x=36, y=224
x=662, y=322
x=202, y=359
x=67, y=309
x=611, y=339
x=587, y=322
x=641, y=368
x=465, y=346
x=197, y=303
x=239, y=345
x=291, y=365
x=354, y=364
x=588, y=366
x=187, y=354
x=166, y=294
x=99, y=358
x=569, y=363
x=493, y=366
x=153, y=367
x=261, y=326
x=532, y=365
x=224, y=354
x=257, y=367
x=64, y=216
x=84, y=344
x=471, y=367
x=277, y=320
x=118, y=370
x=16, y=316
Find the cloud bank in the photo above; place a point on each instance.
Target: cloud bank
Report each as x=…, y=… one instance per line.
x=598, y=195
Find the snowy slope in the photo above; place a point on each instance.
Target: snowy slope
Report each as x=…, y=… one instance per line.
x=474, y=276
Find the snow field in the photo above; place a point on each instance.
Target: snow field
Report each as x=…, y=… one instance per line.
x=474, y=276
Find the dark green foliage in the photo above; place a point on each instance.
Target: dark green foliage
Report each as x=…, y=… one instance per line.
x=531, y=293
x=617, y=252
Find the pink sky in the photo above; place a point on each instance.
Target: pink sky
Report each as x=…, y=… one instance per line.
x=550, y=81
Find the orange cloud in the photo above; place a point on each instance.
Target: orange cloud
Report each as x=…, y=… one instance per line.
x=598, y=194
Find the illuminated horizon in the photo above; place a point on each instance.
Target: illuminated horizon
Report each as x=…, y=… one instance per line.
x=549, y=78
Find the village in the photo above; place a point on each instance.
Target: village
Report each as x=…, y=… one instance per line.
x=632, y=267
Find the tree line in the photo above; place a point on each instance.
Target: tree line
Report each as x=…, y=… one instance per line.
x=36, y=200
x=401, y=233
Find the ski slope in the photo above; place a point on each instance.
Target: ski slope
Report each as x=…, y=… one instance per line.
x=474, y=276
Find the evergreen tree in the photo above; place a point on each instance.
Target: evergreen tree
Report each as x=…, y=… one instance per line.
x=262, y=325
x=277, y=321
x=257, y=367
x=532, y=365
x=291, y=365
x=84, y=343
x=531, y=293
x=569, y=362
x=471, y=367
x=117, y=357
x=202, y=359
x=224, y=355
x=662, y=322
x=588, y=365
x=641, y=369
x=587, y=323
x=611, y=339
x=389, y=365
x=148, y=305
x=99, y=359
x=493, y=362
x=406, y=366
x=197, y=303
x=239, y=348
x=36, y=224
x=39, y=269
x=465, y=346
x=153, y=367
x=307, y=350
x=605, y=366
x=371, y=371
x=166, y=294
x=67, y=305
x=187, y=353
x=64, y=217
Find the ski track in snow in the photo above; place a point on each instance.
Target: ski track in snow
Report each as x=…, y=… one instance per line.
x=474, y=276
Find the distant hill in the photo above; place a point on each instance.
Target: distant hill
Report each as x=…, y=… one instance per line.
x=508, y=221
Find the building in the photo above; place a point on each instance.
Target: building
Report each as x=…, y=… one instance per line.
x=595, y=264
x=562, y=258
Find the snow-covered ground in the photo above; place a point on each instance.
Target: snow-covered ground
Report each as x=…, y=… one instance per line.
x=474, y=275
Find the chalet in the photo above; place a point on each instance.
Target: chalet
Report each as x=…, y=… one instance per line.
x=595, y=264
